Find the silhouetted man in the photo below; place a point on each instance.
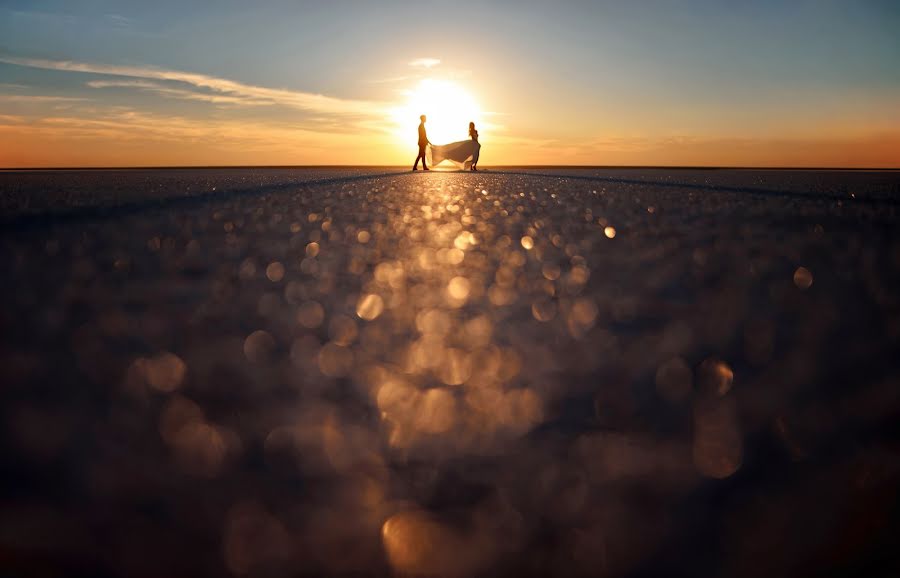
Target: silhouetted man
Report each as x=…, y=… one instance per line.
x=423, y=142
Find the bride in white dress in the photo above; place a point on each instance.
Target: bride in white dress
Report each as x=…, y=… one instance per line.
x=464, y=154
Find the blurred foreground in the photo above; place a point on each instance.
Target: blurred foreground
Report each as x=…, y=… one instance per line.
x=313, y=372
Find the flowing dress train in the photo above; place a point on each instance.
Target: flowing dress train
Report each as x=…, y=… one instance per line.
x=460, y=153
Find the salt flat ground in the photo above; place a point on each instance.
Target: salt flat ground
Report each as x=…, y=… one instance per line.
x=288, y=372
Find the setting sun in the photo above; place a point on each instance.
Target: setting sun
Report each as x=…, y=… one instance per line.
x=449, y=108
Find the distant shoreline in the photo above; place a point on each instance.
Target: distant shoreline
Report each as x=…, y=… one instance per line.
x=492, y=168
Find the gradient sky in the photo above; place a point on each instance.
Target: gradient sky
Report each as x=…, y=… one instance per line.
x=656, y=82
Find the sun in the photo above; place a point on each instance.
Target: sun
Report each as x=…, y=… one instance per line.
x=448, y=106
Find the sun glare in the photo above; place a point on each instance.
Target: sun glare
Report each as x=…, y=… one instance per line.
x=448, y=106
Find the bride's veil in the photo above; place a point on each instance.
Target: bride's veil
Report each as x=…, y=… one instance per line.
x=459, y=153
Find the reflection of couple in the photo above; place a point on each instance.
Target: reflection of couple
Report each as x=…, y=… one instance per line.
x=463, y=153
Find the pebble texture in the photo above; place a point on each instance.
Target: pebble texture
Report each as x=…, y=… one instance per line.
x=535, y=372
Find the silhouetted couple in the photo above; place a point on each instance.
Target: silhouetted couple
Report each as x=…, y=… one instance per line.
x=463, y=154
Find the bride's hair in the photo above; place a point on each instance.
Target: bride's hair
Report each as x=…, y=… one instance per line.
x=471, y=128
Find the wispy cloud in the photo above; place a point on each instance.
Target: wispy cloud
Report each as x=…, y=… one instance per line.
x=392, y=79
x=180, y=93
x=11, y=119
x=241, y=93
x=425, y=62
x=121, y=136
x=119, y=21
x=29, y=98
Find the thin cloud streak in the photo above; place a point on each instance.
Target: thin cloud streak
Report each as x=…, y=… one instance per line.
x=119, y=21
x=156, y=88
x=29, y=98
x=392, y=79
x=294, y=99
x=425, y=62
x=119, y=136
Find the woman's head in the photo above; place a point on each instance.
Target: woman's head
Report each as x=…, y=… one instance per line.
x=471, y=126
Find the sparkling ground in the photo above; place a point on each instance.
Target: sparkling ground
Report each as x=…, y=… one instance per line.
x=526, y=372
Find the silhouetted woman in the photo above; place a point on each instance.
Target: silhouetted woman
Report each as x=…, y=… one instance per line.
x=474, y=135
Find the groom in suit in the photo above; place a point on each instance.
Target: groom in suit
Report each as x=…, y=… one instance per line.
x=423, y=142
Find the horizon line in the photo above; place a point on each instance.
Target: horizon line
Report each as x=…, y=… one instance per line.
x=497, y=167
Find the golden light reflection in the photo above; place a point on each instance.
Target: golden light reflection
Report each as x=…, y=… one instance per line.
x=164, y=372
x=259, y=346
x=714, y=377
x=416, y=545
x=275, y=272
x=370, y=306
x=458, y=289
x=803, y=278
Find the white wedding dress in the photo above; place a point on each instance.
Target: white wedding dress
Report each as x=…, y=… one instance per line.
x=461, y=153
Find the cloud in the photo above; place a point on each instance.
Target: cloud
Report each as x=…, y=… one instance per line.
x=392, y=79
x=11, y=119
x=120, y=136
x=157, y=88
x=119, y=21
x=242, y=93
x=29, y=98
x=424, y=62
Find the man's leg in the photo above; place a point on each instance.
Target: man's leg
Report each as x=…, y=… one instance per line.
x=422, y=154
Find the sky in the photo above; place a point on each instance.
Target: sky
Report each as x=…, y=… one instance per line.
x=659, y=82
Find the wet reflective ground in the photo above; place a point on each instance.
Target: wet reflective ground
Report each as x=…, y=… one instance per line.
x=526, y=373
